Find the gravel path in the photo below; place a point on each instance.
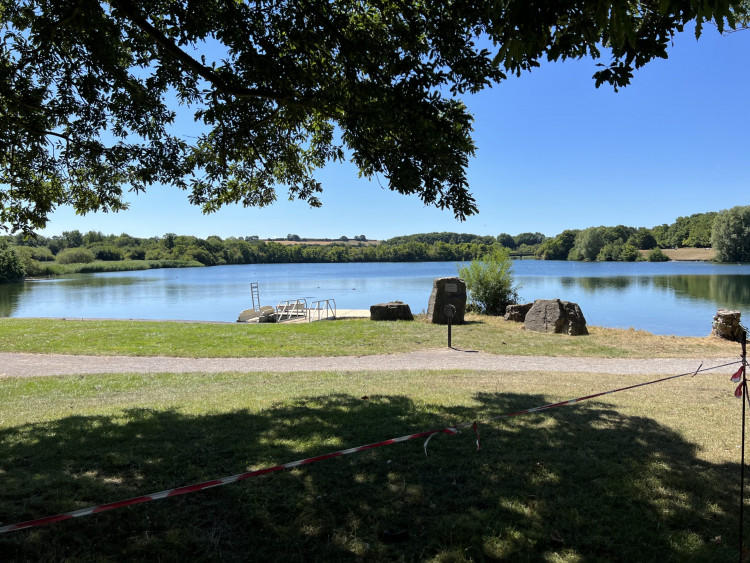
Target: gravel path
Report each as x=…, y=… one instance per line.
x=27, y=365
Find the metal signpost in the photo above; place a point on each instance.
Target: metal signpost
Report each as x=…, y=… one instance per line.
x=449, y=311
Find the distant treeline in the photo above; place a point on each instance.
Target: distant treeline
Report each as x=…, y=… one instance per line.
x=43, y=255
x=620, y=243
x=524, y=244
x=94, y=251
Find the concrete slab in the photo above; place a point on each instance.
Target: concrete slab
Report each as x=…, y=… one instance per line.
x=340, y=314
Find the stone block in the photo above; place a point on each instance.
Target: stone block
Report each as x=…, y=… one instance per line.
x=517, y=313
x=727, y=325
x=447, y=291
x=553, y=315
x=393, y=311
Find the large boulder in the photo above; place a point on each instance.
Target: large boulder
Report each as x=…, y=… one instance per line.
x=553, y=315
x=447, y=291
x=726, y=325
x=393, y=311
x=517, y=313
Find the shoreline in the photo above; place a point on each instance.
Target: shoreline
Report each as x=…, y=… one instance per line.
x=114, y=266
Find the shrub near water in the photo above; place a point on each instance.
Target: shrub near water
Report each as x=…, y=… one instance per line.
x=40, y=253
x=489, y=282
x=656, y=255
x=75, y=256
x=11, y=267
x=107, y=253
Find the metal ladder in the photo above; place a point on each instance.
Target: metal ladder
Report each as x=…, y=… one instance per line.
x=255, y=295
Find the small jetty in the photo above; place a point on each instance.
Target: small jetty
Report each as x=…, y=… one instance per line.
x=294, y=310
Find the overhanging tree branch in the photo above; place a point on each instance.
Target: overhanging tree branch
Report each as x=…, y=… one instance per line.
x=131, y=12
x=385, y=75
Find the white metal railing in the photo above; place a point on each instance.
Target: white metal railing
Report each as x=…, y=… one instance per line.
x=291, y=308
x=325, y=307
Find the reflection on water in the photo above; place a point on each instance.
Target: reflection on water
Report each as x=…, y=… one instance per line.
x=667, y=298
x=732, y=292
x=92, y=281
x=10, y=295
x=613, y=283
x=729, y=291
x=680, y=304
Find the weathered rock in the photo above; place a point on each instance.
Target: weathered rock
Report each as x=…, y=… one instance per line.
x=393, y=311
x=545, y=315
x=553, y=315
x=575, y=322
x=447, y=291
x=726, y=325
x=517, y=313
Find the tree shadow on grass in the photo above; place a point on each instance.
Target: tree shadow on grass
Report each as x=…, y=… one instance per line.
x=583, y=482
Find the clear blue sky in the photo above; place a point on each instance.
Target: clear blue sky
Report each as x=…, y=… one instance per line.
x=553, y=153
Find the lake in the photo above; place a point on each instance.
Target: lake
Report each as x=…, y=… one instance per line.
x=677, y=298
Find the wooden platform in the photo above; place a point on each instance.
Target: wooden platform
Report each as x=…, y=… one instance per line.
x=340, y=314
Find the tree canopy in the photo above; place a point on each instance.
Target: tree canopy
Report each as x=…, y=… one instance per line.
x=94, y=94
x=731, y=234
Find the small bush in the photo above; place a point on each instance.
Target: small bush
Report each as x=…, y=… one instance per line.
x=42, y=254
x=629, y=253
x=137, y=254
x=107, y=253
x=24, y=253
x=200, y=255
x=610, y=252
x=656, y=255
x=75, y=256
x=31, y=266
x=156, y=254
x=490, y=283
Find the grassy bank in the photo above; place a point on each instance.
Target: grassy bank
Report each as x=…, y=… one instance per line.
x=335, y=338
x=644, y=475
x=42, y=269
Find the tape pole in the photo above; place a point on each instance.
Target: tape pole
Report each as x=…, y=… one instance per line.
x=745, y=398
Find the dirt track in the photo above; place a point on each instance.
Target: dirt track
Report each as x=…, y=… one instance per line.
x=30, y=365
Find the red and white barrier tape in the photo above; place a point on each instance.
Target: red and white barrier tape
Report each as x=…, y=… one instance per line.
x=250, y=474
x=215, y=483
x=587, y=397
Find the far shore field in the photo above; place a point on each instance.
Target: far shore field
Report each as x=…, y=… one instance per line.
x=687, y=254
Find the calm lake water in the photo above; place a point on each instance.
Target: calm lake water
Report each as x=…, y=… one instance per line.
x=677, y=298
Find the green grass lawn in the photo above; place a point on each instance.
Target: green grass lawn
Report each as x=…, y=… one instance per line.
x=645, y=475
x=335, y=338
